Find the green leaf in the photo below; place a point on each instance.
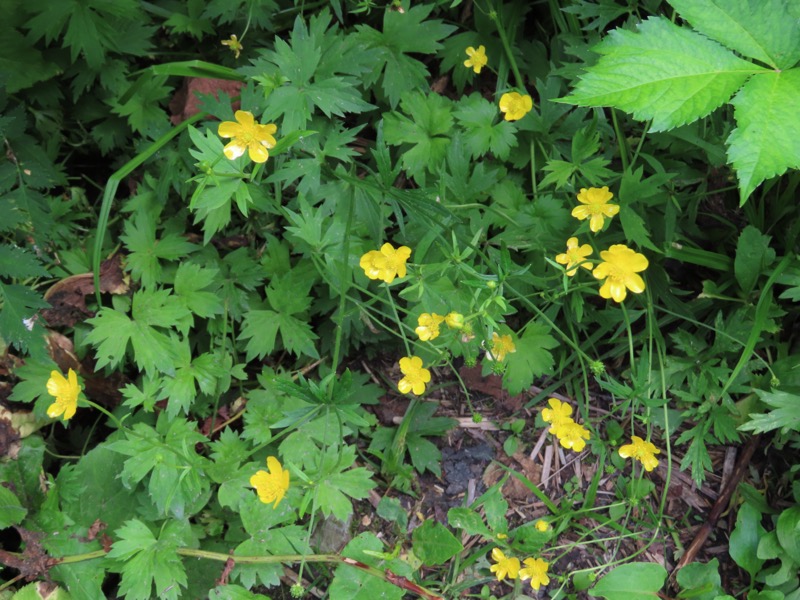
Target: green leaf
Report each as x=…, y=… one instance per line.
x=427, y=129
x=11, y=510
x=433, y=543
x=482, y=134
x=146, y=252
x=355, y=584
x=403, y=33
x=531, y=359
x=190, y=281
x=761, y=29
x=663, y=72
x=788, y=530
x=700, y=581
x=785, y=413
x=16, y=263
x=766, y=141
x=753, y=257
x=633, y=581
x=468, y=520
x=153, y=350
x=145, y=561
x=744, y=539
x=17, y=326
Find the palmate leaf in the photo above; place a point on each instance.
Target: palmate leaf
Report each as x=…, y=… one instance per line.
x=531, y=359
x=766, y=141
x=663, y=72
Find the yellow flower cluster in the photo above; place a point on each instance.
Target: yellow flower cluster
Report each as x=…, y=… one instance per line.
x=570, y=434
x=428, y=324
x=535, y=569
x=385, y=264
x=620, y=265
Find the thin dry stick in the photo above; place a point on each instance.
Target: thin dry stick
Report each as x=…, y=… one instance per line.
x=720, y=505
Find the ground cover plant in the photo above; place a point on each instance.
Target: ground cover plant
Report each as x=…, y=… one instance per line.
x=443, y=299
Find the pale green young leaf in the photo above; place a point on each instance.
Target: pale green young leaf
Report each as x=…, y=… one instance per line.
x=663, y=72
x=759, y=29
x=766, y=141
x=633, y=581
x=531, y=359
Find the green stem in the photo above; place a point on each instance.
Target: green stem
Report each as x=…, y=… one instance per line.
x=497, y=19
x=344, y=281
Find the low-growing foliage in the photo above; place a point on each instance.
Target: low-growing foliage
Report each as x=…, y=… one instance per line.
x=262, y=262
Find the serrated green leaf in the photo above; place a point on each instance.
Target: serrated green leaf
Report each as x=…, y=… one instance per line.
x=633, y=581
x=663, y=72
x=16, y=263
x=760, y=29
x=146, y=253
x=17, y=326
x=784, y=413
x=427, y=129
x=766, y=141
x=190, y=281
x=433, y=543
x=11, y=510
x=482, y=132
x=531, y=359
x=146, y=561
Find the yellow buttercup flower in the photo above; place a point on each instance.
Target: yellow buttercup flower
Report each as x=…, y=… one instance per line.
x=515, y=105
x=557, y=415
x=505, y=567
x=385, y=264
x=428, y=326
x=619, y=269
x=454, y=320
x=575, y=256
x=542, y=526
x=572, y=436
x=234, y=44
x=415, y=376
x=535, y=570
x=247, y=135
x=477, y=58
x=595, y=207
x=501, y=346
x=272, y=484
x=642, y=451
x=66, y=391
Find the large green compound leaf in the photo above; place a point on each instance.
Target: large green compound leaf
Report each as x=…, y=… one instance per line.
x=766, y=141
x=663, y=72
x=759, y=29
